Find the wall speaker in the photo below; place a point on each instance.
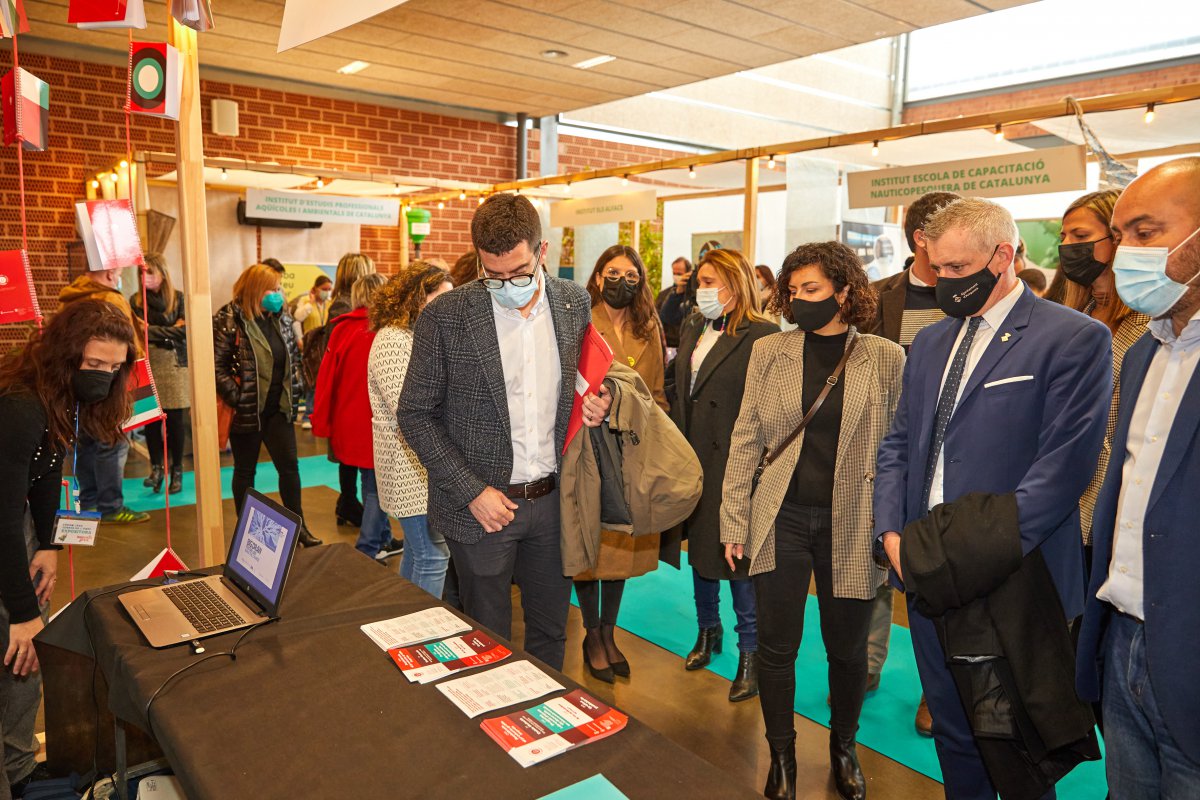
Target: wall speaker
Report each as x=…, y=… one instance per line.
x=225, y=117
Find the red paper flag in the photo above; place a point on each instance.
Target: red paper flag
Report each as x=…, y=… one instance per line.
x=165, y=561
x=595, y=357
x=99, y=14
x=26, y=110
x=18, y=299
x=144, y=397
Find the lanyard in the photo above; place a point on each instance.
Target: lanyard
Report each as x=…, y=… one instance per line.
x=74, y=489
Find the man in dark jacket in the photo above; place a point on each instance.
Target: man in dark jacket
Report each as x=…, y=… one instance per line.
x=676, y=301
x=906, y=306
x=485, y=406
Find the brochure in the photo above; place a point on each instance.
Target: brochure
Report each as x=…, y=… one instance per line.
x=428, y=662
x=554, y=727
x=420, y=626
x=498, y=688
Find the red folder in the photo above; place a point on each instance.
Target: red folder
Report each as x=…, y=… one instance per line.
x=18, y=300
x=99, y=14
x=595, y=357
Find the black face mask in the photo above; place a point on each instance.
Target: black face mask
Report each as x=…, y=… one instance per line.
x=812, y=315
x=91, y=385
x=618, y=293
x=1078, y=261
x=965, y=296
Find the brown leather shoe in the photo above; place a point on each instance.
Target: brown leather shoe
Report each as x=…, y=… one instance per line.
x=924, y=721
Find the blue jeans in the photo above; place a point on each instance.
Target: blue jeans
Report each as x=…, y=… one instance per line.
x=308, y=404
x=376, y=530
x=708, y=596
x=426, y=555
x=100, y=471
x=1143, y=761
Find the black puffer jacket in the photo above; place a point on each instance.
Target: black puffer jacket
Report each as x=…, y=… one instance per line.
x=237, y=367
x=163, y=332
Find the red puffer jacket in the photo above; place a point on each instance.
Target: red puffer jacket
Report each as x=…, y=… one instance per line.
x=341, y=406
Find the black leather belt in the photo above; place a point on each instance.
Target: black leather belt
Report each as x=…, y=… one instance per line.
x=532, y=490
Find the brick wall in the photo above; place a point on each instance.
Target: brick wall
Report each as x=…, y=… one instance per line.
x=87, y=133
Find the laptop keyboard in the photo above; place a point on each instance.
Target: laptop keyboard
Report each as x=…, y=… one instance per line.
x=206, y=610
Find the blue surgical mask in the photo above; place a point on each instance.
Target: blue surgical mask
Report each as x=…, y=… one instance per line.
x=709, y=302
x=272, y=302
x=1140, y=274
x=512, y=297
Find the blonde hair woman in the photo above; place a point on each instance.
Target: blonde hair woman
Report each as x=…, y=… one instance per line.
x=710, y=376
x=1085, y=257
x=258, y=375
x=401, y=477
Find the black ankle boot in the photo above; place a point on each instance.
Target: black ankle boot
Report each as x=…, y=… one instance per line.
x=154, y=480
x=307, y=539
x=781, y=777
x=349, y=511
x=708, y=642
x=745, y=683
x=176, y=485
x=847, y=774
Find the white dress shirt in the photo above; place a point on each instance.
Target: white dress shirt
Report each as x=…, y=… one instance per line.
x=708, y=338
x=1167, y=379
x=532, y=380
x=993, y=318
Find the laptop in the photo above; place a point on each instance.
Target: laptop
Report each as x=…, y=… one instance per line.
x=247, y=592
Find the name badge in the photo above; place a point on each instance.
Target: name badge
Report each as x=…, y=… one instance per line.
x=76, y=527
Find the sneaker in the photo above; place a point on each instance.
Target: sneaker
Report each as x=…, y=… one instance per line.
x=125, y=516
x=393, y=548
x=306, y=425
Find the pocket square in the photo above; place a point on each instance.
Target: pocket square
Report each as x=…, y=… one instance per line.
x=1002, y=381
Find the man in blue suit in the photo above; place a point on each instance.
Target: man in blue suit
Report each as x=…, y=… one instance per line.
x=1009, y=394
x=1139, y=647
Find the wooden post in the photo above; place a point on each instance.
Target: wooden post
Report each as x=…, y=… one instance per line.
x=403, y=238
x=750, y=210
x=635, y=236
x=193, y=244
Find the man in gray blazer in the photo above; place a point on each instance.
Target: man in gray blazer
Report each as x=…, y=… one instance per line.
x=485, y=406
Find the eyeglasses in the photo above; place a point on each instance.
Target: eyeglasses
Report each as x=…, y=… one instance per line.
x=520, y=281
x=632, y=278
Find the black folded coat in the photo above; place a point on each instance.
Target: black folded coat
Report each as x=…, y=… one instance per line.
x=1002, y=626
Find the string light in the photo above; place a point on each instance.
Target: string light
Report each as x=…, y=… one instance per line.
x=441, y=205
x=567, y=187
x=1149, y=114
x=999, y=133
x=112, y=176
x=692, y=172
x=875, y=148
x=625, y=180
x=95, y=184
x=462, y=195
x=771, y=162
x=396, y=188
x=320, y=183
x=124, y=164
x=224, y=174
x=480, y=202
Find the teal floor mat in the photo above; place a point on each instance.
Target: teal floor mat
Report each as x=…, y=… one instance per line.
x=314, y=471
x=658, y=607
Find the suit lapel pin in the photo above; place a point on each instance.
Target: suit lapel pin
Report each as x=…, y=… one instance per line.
x=1006, y=337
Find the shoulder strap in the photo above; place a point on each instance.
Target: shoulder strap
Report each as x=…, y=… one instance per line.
x=830, y=382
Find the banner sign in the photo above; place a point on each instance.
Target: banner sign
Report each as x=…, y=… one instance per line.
x=600, y=210
x=307, y=207
x=1056, y=169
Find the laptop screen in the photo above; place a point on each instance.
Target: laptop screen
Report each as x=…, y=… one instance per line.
x=262, y=548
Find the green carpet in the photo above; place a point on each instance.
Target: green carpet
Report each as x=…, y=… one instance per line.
x=658, y=607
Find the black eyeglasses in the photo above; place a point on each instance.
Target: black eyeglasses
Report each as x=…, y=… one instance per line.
x=631, y=278
x=520, y=281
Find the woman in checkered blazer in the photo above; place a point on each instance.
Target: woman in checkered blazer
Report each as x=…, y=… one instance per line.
x=810, y=513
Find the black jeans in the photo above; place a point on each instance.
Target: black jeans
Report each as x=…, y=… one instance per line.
x=279, y=436
x=527, y=552
x=804, y=548
x=599, y=601
x=177, y=421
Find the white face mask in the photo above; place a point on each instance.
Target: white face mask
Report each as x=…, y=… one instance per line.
x=1140, y=275
x=709, y=303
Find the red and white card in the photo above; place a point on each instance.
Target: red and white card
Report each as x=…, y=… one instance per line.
x=109, y=233
x=18, y=298
x=100, y=14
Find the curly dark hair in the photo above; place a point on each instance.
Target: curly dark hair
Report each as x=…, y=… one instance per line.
x=843, y=267
x=49, y=360
x=921, y=210
x=466, y=269
x=503, y=222
x=398, y=301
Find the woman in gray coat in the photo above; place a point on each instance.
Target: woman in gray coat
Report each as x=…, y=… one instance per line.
x=710, y=374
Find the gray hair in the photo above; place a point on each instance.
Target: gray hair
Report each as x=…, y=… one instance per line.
x=364, y=289
x=986, y=224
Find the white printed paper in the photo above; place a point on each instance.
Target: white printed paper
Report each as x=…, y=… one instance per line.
x=420, y=626
x=498, y=688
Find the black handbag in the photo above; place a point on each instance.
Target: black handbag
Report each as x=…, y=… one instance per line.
x=768, y=457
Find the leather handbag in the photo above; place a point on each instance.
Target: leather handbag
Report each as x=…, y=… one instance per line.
x=224, y=410
x=769, y=457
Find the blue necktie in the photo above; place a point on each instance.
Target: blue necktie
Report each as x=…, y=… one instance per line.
x=945, y=406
